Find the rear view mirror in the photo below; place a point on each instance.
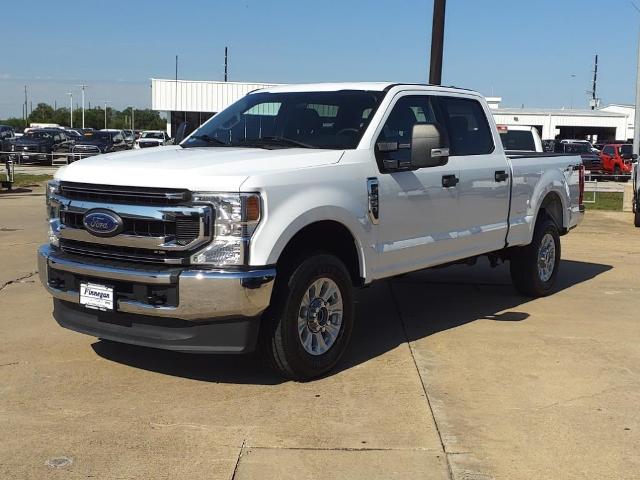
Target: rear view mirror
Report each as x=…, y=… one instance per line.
x=429, y=147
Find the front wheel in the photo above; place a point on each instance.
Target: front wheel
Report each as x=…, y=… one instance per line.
x=307, y=328
x=534, y=268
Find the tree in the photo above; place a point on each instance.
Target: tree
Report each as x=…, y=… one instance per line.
x=145, y=119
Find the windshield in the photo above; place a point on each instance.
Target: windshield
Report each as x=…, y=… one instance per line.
x=518, y=140
x=153, y=135
x=331, y=120
x=576, y=147
x=38, y=134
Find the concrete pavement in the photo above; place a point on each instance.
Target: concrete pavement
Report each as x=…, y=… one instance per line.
x=450, y=374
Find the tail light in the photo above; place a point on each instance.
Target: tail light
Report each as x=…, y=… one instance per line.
x=581, y=184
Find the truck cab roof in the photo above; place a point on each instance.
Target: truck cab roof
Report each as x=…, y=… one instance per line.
x=364, y=86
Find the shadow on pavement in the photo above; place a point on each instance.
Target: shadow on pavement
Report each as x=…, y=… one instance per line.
x=388, y=314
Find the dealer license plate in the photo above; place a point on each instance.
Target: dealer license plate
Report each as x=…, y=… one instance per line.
x=98, y=297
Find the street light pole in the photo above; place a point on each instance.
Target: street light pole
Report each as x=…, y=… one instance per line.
x=83, y=86
x=71, y=105
x=105, y=113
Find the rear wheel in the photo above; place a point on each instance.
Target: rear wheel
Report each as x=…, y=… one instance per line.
x=307, y=328
x=534, y=268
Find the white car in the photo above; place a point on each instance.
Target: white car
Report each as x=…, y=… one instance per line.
x=255, y=230
x=152, y=138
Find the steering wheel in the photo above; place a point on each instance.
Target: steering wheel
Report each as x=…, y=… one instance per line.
x=354, y=131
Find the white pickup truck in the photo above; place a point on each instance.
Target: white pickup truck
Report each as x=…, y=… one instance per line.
x=255, y=230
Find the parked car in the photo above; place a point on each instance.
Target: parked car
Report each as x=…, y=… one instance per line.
x=520, y=138
x=635, y=174
x=590, y=160
x=74, y=134
x=153, y=138
x=617, y=159
x=41, y=144
x=257, y=228
x=96, y=142
x=7, y=136
x=129, y=137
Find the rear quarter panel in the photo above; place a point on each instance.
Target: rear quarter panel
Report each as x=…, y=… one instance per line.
x=533, y=179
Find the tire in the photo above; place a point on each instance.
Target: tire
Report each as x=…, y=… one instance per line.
x=526, y=275
x=294, y=316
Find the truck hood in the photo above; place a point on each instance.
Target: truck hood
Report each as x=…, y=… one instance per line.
x=204, y=169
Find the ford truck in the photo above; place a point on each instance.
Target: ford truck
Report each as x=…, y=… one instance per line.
x=255, y=230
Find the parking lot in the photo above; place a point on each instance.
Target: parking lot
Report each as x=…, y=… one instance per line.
x=450, y=374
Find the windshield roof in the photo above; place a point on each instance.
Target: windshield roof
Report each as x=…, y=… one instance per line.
x=330, y=120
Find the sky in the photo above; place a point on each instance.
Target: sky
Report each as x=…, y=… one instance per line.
x=532, y=53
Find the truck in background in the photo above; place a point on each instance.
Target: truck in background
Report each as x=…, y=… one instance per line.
x=520, y=138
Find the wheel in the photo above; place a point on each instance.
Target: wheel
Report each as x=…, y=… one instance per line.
x=534, y=268
x=306, y=330
x=636, y=217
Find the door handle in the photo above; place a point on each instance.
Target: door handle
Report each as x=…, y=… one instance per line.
x=501, y=176
x=449, y=181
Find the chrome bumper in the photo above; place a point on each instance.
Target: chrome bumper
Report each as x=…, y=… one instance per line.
x=202, y=294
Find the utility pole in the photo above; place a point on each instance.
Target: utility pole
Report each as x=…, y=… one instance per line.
x=437, y=42
x=226, y=62
x=593, y=92
x=26, y=112
x=636, y=123
x=133, y=113
x=71, y=105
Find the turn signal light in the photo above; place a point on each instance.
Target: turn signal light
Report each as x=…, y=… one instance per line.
x=252, y=208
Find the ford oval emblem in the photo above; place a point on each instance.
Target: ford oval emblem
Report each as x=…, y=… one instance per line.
x=102, y=223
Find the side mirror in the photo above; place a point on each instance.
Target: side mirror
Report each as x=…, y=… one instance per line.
x=429, y=147
x=180, y=132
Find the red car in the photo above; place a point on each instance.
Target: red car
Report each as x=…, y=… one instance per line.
x=617, y=160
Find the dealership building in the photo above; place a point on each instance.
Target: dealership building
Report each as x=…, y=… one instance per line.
x=610, y=123
x=196, y=101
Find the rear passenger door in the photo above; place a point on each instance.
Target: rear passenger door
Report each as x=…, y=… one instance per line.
x=484, y=186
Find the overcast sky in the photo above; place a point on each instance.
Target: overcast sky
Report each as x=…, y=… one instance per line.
x=536, y=53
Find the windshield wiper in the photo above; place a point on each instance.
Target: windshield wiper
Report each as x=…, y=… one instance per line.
x=287, y=141
x=210, y=140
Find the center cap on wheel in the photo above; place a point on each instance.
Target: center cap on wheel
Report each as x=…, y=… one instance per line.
x=318, y=315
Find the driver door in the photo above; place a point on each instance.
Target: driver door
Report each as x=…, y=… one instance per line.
x=419, y=210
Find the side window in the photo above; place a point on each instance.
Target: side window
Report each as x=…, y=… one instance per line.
x=393, y=146
x=608, y=150
x=469, y=131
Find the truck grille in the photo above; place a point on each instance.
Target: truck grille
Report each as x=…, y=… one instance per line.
x=158, y=225
x=132, y=195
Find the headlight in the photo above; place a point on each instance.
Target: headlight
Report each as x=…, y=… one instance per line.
x=53, y=211
x=236, y=217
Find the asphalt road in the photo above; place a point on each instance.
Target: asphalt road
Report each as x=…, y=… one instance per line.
x=450, y=374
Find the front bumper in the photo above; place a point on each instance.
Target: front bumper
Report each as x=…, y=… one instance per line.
x=203, y=310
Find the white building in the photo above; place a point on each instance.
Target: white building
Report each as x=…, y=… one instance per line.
x=606, y=124
x=196, y=101
x=628, y=110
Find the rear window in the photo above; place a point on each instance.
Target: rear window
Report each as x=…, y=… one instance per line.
x=626, y=150
x=518, y=140
x=469, y=132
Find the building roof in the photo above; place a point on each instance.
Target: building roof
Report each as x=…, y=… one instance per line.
x=556, y=112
